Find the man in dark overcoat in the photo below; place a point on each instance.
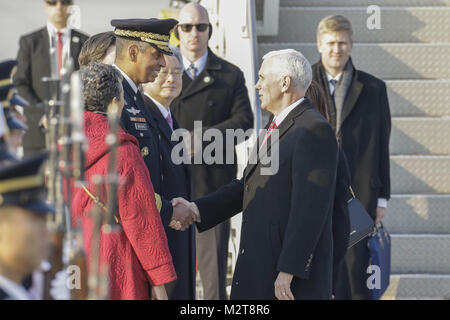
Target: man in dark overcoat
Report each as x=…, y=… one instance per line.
x=286, y=193
x=359, y=113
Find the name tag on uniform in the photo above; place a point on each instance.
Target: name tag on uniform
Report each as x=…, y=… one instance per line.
x=135, y=119
x=141, y=126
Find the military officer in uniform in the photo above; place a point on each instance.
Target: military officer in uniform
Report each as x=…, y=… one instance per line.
x=140, y=48
x=23, y=230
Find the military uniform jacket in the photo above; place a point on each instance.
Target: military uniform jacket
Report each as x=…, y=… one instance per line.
x=176, y=183
x=286, y=221
x=218, y=97
x=138, y=121
x=364, y=134
x=33, y=64
x=4, y=295
x=10, y=291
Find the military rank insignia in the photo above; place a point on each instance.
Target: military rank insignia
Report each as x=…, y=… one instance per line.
x=133, y=111
x=136, y=119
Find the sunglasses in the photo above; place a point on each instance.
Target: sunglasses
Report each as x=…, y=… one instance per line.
x=187, y=27
x=54, y=2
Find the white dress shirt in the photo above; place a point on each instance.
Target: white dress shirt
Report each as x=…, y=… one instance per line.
x=283, y=114
x=14, y=290
x=330, y=77
x=53, y=40
x=164, y=111
x=199, y=64
x=130, y=82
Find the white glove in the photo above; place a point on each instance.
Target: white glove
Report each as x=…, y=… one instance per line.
x=58, y=287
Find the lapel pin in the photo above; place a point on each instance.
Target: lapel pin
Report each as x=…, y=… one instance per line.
x=207, y=79
x=76, y=39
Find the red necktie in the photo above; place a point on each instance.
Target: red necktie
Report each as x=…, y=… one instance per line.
x=60, y=49
x=272, y=126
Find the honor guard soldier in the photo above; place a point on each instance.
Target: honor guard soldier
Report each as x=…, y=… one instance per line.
x=10, y=100
x=8, y=97
x=23, y=230
x=140, y=48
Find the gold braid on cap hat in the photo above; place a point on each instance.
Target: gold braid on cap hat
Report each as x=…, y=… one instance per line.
x=144, y=36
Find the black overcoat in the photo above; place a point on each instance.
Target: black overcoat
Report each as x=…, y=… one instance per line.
x=364, y=134
x=286, y=222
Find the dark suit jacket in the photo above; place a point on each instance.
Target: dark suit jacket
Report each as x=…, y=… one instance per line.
x=3, y=295
x=286, y=221
x=218, y=97
x=138, y=121
x=33, y=64
x=364, y=134
x=176, y=183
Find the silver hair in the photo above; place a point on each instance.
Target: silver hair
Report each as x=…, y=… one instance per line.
x=291, y=63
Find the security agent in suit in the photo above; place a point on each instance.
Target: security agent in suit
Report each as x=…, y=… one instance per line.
x=286, y=246
x=359, y=114
x=177, y=177
x=140, y=48
x=213, y=92
x=44, y=53
x=23, y=230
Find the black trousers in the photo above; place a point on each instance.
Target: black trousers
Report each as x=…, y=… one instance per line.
x=212, y=257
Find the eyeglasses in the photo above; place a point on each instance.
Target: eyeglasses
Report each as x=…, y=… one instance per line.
x=165, y=73
x=54, y=2
x=187, y=27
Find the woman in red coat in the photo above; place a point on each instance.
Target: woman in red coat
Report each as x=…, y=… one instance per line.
x=137, y=255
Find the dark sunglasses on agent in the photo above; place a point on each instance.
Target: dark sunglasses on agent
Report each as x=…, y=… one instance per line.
x=187, y=27
x=54, y=2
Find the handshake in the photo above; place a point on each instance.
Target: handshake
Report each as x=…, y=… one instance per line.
x=184, y=214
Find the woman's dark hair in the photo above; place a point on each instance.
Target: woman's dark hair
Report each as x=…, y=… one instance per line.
x=101, y=84
x=96, y=47
x=316, y=95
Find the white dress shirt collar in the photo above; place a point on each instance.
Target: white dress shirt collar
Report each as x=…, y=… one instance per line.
x=283, y=114
x=14, y=290
x=329, y=76
x=130, y=82
x=165, y=112
x=52, y=31
x=199, y=64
